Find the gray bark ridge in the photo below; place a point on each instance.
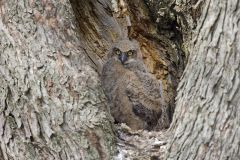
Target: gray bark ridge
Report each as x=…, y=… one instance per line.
x=207, y=121
x=51, y=102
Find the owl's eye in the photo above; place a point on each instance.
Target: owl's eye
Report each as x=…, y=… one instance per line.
x=130, y=53
x=118, y=52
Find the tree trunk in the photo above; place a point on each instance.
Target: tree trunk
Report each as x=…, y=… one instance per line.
x=206, y=122
x=51, y=102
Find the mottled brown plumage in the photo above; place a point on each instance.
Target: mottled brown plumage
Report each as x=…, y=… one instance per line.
x=134, y=94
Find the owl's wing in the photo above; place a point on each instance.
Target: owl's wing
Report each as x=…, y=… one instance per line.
x=148, y=115
x=163, y=121
x=144, y=93
x=143, y=105
x=152, y=86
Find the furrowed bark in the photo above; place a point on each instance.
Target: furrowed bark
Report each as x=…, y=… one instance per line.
x=206, y=120
x=51, y=102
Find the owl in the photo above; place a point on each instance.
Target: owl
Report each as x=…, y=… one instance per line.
x=134, y=95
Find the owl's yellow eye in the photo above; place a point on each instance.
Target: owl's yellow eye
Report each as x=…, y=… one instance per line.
x=118, y=52
x=130, y=53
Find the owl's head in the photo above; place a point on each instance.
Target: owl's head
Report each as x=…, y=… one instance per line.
x=125, y=51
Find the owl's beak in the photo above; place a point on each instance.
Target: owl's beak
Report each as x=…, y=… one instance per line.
x=123, y=57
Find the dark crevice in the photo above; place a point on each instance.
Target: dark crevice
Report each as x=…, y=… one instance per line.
x=168, y=25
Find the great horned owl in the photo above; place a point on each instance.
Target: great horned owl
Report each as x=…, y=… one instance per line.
x=134, y=94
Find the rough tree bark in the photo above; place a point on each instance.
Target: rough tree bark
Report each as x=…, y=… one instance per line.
x=51, y=102
x=206, y=122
